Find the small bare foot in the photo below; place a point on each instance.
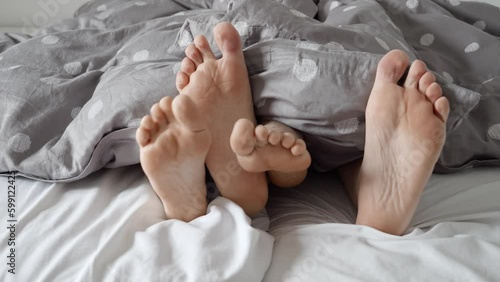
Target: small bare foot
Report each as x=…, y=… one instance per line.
x=405, y=133
x=221, y=90
x=273, y=146
x=174, y=142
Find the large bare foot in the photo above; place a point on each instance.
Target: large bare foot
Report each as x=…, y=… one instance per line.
x=221, y=90
x=405, y=133
x=174, y=141
x=273, y=147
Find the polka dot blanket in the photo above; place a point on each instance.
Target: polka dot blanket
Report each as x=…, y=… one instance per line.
x=72, y=95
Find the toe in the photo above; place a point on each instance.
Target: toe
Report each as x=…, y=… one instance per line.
x=299, y=148
x=148, y=124
x=142, y=136
x=229, y=42
x=261, y=134
x=166, y=106
x=274, y=137
x=288, y=140
x=392, y=66
x=242, y=139
x=425, y=81
x=433, y=92
x=194, y=54
x=202, y=44
x=187, y=66
x=158, y=115
x=442, y=108
x=181, y=80
x=187, y=114
x=417, y=70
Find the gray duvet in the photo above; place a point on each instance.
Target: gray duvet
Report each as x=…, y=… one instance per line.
x=72, y=97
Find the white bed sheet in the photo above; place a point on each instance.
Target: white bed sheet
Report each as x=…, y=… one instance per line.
x=454, y=235
x=111, y=226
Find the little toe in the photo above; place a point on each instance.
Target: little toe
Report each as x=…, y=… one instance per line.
x=202, y=44
x=299, y=148
x=417, y=70
x=274, y=137
x=433, y=92
x=142, y=136
x=442, y=108
x=184, y=109
x=392, y=67
x=425, y=81
x=242, y=138
x=288, y=140
x=187, y=66
x=181, y=80
x=194, y=54
x=261, y=134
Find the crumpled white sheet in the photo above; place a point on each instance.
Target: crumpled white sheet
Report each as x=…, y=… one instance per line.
x=111, y=226
x=454, y=235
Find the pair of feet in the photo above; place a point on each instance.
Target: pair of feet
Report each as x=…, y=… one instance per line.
x=405, y=129
x=212, y=122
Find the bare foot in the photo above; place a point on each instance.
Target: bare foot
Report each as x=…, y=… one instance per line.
x=273, y=146
x=405, y=133
x=221, y=90
x=174, y=141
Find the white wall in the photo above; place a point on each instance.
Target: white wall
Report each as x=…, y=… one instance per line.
x=16, y=14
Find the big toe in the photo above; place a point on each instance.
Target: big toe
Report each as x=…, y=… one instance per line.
x=187, y=113
x=228, y=40
x=242, y=139
x=392, y=67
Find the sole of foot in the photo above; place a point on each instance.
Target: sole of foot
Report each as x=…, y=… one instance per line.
x=405, y=133
x=174, y=141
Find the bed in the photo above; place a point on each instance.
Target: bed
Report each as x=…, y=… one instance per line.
x=103, y=222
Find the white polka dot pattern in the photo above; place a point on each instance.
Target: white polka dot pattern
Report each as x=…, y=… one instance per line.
x=50, y=40
x=494, y=131
x=75, y=111
x=473, y=47
x=19, y=143
x=412, y=4
x=349, y=8
x=185, y=39
x=176, y=68
x=305, y=70
x=334, y=5
x=51, y=80
x=15, y=67
x=141, y=56
x=242, y=28
x=136, y=122
x=298, y=13
x=308, y=45
x=334, y=45
x=140, y=3
x=102, y=8
x=447, y=76
x=454, y=2
x=480, y=24
x=73, y=68
x=382, y=43
x=427, y=39
x=347, y=126
x=95, y=109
